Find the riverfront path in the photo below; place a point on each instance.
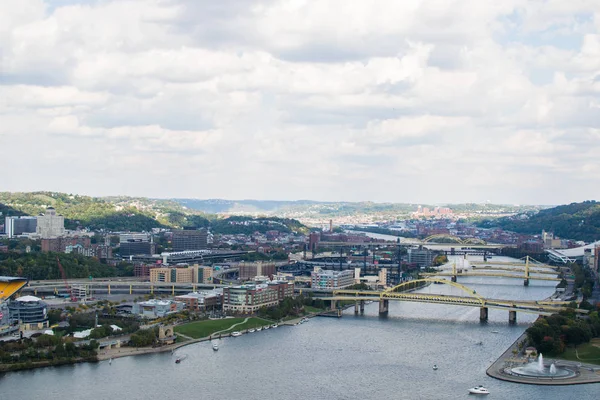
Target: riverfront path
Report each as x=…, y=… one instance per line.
x=586, y=373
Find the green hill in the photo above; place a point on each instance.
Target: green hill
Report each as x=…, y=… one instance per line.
x=135, y=214
x=577, y=221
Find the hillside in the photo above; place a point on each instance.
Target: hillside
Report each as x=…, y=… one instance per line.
x=321, y=209
x=135, y=214
x=577, y=221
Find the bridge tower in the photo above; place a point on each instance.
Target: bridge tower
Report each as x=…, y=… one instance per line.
x=526, y=281
x=454, y=277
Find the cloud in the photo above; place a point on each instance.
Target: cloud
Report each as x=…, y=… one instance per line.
x=434, y=101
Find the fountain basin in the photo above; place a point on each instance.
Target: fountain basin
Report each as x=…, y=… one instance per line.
x=534, y=372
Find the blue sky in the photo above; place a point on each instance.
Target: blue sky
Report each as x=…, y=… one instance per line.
x=413, y=101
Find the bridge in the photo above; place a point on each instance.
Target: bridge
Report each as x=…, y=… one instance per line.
x=531, y=269
x=405, y=292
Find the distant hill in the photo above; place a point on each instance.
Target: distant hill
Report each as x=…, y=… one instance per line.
x=121, y=213
x=577, y=221
x=323, y=209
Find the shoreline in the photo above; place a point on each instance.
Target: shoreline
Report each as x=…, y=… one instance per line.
x=134, y=351
x=585, y=373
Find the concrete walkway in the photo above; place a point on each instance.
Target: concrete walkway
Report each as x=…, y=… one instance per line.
x=585, y=373
x=132, y=351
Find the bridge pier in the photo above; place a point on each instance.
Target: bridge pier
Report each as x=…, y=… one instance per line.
x=362, y=306
x=512, y=317
x=526, y=282
x=483, y=314
x=384, y=306
x=453, y=278
x=333, y=305
x=356, y=307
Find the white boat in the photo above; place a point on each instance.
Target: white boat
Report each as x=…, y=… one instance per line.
x=266, y=327
x=215, y=346
x=251, y=330
x=274, y=326
x=259, y=329
x=236, y=334
x=110, y=361
x=479, y=390
x=435, y=367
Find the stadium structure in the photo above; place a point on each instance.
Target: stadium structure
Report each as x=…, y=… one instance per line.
x=9, y=288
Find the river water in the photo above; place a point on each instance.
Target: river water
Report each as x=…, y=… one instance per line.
x=354, y=357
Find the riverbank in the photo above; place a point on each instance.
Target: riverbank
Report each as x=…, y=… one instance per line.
x=108, y=354
x=500, y=369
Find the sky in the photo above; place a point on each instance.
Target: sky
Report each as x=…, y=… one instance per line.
x=390, y=101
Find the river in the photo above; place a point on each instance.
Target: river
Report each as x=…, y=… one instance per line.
x=354, y=357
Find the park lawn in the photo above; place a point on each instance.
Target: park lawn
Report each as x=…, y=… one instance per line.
x=206, y=328
x=588, y=352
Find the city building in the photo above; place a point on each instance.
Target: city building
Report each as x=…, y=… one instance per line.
x=50, y=224
x=250, y=270
x=15, y=226
x=202, y=301
x=131, y=244
x=156, y=308
x=328, y=279
x=422, y=257
x=313, y=241
x=172, y=275
x=184, y=239
x=184, y=274
x=383, y=277
x=60, y=244
x=248, y=299
x=30, y=312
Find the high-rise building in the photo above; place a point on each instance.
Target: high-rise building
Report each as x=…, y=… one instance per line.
x=132, y=244
x=189, y=239
x=15, y=226
x=50, y=224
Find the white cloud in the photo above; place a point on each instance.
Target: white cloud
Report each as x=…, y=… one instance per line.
x=432, y=100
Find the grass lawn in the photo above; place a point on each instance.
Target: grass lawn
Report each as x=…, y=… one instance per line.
x=588, y=352
x=202, y=329
x=311, y=309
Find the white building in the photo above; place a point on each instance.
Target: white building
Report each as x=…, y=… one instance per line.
x=50, y=224
x=328, y=279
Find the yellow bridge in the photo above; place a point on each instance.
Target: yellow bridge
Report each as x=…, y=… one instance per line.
x=405, y=292
x=531, y=269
